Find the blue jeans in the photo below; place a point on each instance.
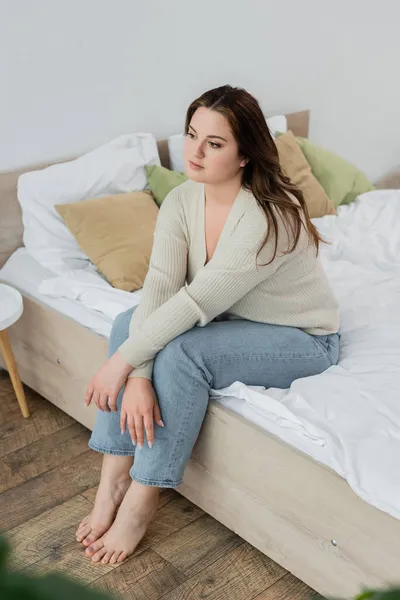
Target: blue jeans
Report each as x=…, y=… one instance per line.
x=214, y=356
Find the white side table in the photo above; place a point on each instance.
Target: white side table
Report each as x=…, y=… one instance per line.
x=11, y=308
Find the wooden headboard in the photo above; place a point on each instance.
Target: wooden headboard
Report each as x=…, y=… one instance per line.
x=11, y=228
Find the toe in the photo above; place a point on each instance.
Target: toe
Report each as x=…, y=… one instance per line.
x=94, y=535
x=99, y=555
x=83, y=533
x=114, y=558
x=122, y=557
x=82, y=525
x=88, y=540
x=95, y=547
x=106, y=558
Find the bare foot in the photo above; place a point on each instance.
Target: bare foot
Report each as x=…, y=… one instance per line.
x=134, y=515
x=114, y=484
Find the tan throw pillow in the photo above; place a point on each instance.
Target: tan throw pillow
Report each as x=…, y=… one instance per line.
x=296, y=167
x=116, y=232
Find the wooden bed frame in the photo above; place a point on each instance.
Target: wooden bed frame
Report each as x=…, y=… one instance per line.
x=298, y=512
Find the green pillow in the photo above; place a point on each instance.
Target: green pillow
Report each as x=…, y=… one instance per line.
x=341, y=180
x=162, y=181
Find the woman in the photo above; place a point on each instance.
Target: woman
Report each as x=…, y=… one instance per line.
x=234, y=292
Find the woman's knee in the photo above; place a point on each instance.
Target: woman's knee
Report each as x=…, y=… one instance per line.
x=120, y=330
x=181, y=357
x=167, y=358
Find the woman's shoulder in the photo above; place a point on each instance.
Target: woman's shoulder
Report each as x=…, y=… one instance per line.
x=182, y=197
x=252, y=216
x=187, y=189
x=178, y=207
x=256, y=210
x=255, y=224
x=248, y=223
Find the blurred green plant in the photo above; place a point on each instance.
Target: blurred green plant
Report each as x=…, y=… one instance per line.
x=391, y=594
x=16, y=585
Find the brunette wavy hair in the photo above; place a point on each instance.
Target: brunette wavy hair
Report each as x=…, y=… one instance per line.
x=262, y=174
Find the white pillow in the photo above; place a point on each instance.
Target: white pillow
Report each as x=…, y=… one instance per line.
x=176, y=142
x=115, y=167
x=277, y=123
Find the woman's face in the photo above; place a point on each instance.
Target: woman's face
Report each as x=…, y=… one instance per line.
x=211, y=153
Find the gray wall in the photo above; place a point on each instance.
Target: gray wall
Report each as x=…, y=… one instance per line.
x=76, y=73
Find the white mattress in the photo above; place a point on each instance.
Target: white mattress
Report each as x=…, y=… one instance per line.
x=347, y=418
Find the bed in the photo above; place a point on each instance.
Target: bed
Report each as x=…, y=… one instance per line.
x=316, y=489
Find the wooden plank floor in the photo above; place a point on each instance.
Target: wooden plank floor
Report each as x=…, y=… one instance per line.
x=48, y=479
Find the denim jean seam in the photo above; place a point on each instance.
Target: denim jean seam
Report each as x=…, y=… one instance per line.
x=110, y=451
x=186, y=419
x=155, y=482
x=202, y=368
x=180, y=437
x=259, y=357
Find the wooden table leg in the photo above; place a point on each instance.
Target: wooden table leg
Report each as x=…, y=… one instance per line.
x=9, y=359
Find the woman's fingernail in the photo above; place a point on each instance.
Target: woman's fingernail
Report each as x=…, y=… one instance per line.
x=133, y=442
x=140, y=445
x=162, y=424
x=150, y=444
x=122, y=432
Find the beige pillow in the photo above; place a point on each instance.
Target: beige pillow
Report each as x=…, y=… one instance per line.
x=296, y=167
x=390, y=181
x=116, y=232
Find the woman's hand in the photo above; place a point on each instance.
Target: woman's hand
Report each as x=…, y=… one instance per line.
x=139, y=410
x=107, y=383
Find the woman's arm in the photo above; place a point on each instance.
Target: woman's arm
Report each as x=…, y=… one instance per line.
x=231, y=273
x=166, y=274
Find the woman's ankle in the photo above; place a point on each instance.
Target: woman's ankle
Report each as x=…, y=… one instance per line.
x=116, y=468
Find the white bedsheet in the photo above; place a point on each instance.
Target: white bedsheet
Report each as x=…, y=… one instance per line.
x=347, y=418
x=26, y=274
